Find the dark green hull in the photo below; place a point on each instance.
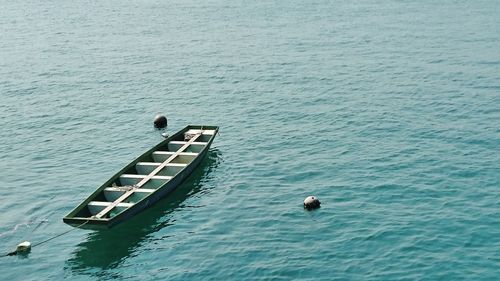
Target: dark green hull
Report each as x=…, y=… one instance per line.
x=81, y=217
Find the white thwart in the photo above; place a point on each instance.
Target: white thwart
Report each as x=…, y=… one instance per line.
x=185, y=142
x=144, y=168
x=156, y=164
x=135, y=176
x=97, y=206
x=183, y=157
x=204, y=132
x=159, y=152
x=134, y=179
x=113, y=193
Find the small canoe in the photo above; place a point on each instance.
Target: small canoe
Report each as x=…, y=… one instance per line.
x=145, y=180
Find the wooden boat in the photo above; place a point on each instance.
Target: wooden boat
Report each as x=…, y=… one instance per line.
x=145, y=180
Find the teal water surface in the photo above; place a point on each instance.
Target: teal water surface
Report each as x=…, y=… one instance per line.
x=388, y=111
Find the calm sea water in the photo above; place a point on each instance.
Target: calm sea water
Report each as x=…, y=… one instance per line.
x=388, y=111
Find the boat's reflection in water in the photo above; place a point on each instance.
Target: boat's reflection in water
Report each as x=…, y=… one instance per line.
x=107, y=249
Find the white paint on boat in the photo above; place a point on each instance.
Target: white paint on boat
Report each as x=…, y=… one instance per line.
x=97, y=206
x=113, y=193
x=193, y=147
x=197, y=131
x=183, y=157
x=145, y=168
x=133, y=179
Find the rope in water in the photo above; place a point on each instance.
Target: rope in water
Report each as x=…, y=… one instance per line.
x=61, y=234
x=47, y=240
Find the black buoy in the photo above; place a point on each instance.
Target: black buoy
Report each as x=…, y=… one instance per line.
x=160, y=122
x=311, y=202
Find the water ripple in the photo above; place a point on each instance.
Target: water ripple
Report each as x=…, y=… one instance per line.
x=386, y=111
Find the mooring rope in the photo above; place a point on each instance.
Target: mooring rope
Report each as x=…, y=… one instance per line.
x=47, y=240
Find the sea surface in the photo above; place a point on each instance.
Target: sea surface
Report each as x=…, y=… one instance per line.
x=387, y=111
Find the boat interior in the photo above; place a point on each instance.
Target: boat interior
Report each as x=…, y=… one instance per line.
x=148, y=173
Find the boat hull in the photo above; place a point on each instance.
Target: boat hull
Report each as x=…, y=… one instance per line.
x=167, y=188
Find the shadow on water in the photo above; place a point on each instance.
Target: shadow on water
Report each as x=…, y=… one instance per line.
x=107, y=249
